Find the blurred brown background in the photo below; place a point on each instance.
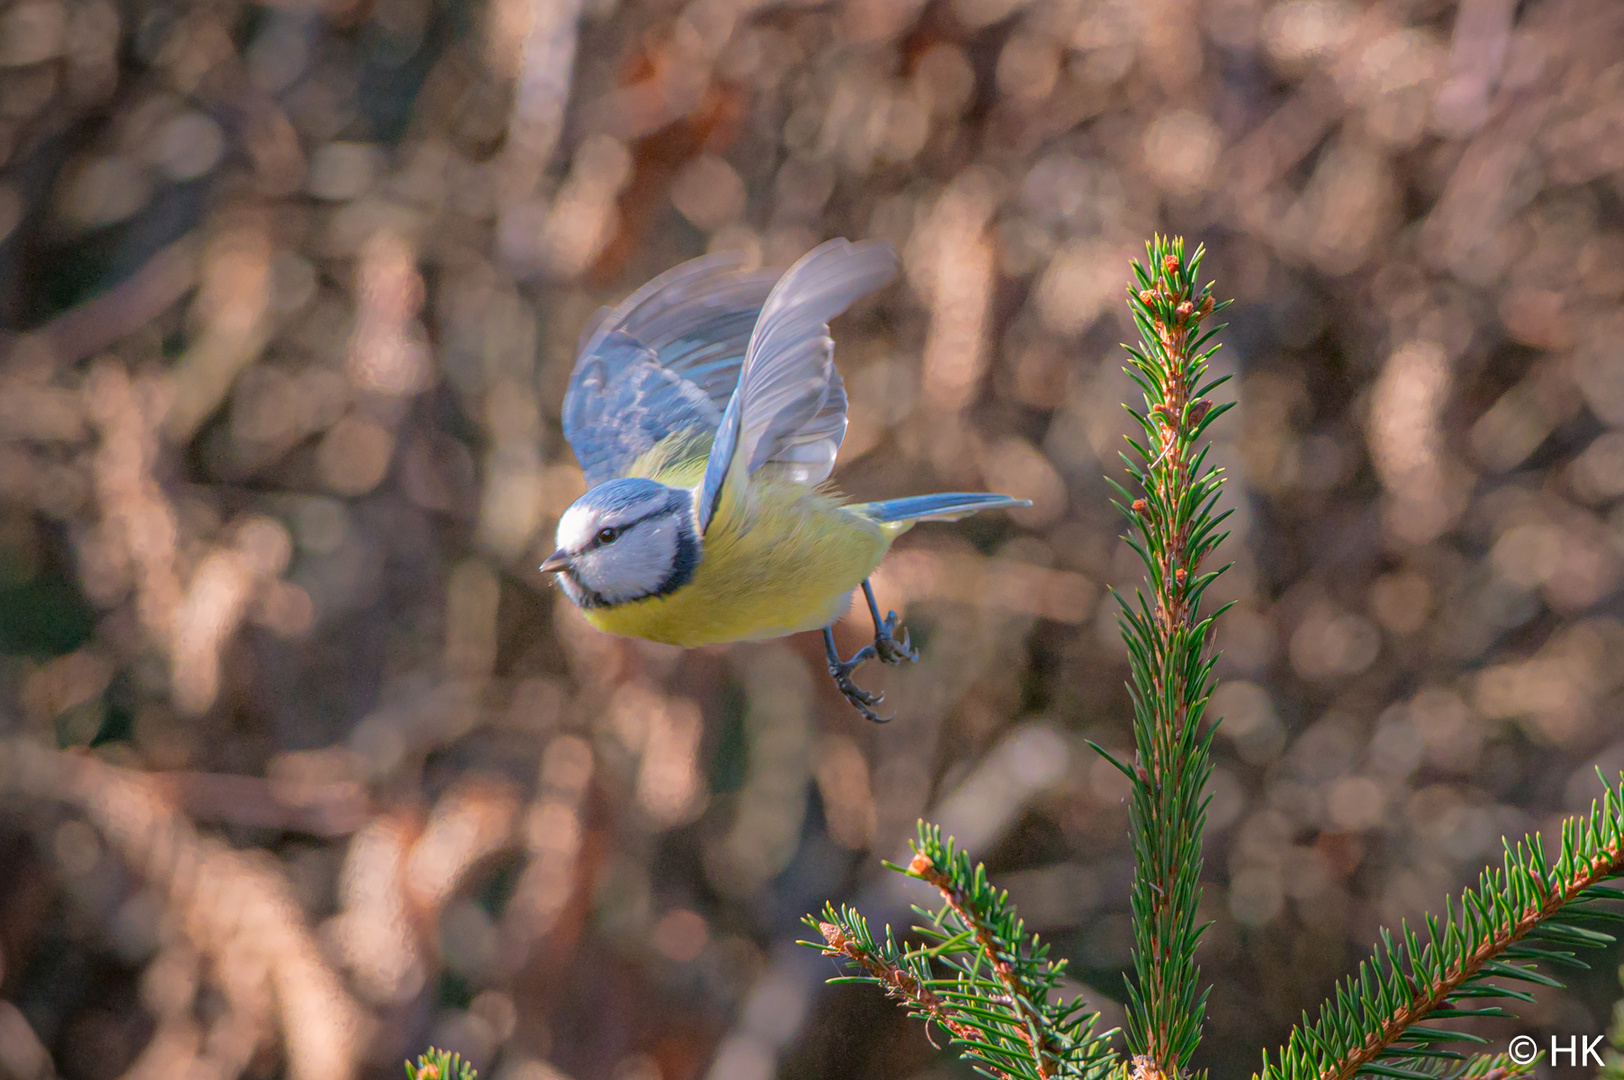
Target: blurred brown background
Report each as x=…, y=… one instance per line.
x=290, y=295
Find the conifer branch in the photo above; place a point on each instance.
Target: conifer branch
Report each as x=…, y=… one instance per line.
x=979, y=976
x=1530, y=911
x=1037, y=1039
x=1174, y=533
x=897, y=973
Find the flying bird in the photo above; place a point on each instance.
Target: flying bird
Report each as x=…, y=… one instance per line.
x=706, y=412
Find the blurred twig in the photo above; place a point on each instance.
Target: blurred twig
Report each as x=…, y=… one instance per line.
x=232, y=908
x=85, y=330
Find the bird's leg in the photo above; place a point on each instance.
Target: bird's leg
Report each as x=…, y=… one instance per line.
x=886, y=649
x=861, y=699
x=886, y=645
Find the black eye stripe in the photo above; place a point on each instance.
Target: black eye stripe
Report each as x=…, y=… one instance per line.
x=598, y=541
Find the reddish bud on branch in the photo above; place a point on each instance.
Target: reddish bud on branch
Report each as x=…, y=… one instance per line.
x=838, y=942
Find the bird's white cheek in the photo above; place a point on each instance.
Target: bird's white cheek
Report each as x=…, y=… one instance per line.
x=635, y=566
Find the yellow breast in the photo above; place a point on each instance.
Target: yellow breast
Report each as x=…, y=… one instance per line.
x=778, y=558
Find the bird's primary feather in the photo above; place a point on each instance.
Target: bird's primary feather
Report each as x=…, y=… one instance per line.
x=663, y=362
x=707, y=346
x=789, y=409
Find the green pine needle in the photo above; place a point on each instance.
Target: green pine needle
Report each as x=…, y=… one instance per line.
x=440, y=1065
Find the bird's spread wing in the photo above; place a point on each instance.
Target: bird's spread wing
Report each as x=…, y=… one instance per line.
x=665, y=360
x=789, y=409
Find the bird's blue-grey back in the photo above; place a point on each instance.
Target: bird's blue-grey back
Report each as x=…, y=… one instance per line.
x=666, y=360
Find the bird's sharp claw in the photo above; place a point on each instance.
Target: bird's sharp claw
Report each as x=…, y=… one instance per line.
x=888, y=648
x=863, y=701
x=857, y=694
x=891, y=649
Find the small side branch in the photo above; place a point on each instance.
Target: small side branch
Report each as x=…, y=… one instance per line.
x=979, y=975
x=1033, y=1028
x=1533, y=910
x=1439, y=994
x=898, y=983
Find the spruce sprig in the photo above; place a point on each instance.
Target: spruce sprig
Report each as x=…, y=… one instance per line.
x=435, y=1064
x=1531, y=911
x=978, y=975
x=1174, y=527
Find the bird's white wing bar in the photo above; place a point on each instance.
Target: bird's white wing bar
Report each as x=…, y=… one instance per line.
x=790, y=405
x=664, y=360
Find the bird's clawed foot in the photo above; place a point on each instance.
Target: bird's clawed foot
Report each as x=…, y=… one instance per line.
x=841, y=670
x=887, y=648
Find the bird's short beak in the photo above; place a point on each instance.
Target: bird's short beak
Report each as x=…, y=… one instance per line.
x=555, y=562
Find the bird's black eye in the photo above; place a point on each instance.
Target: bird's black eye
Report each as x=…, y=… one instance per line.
x=608, y=536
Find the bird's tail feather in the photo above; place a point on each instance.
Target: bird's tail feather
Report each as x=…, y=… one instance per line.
x=944, y=506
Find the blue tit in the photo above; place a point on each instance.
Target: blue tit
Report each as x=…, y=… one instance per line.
x=706, y=412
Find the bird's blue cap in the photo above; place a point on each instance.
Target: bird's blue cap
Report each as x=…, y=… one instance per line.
x=621, y=492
